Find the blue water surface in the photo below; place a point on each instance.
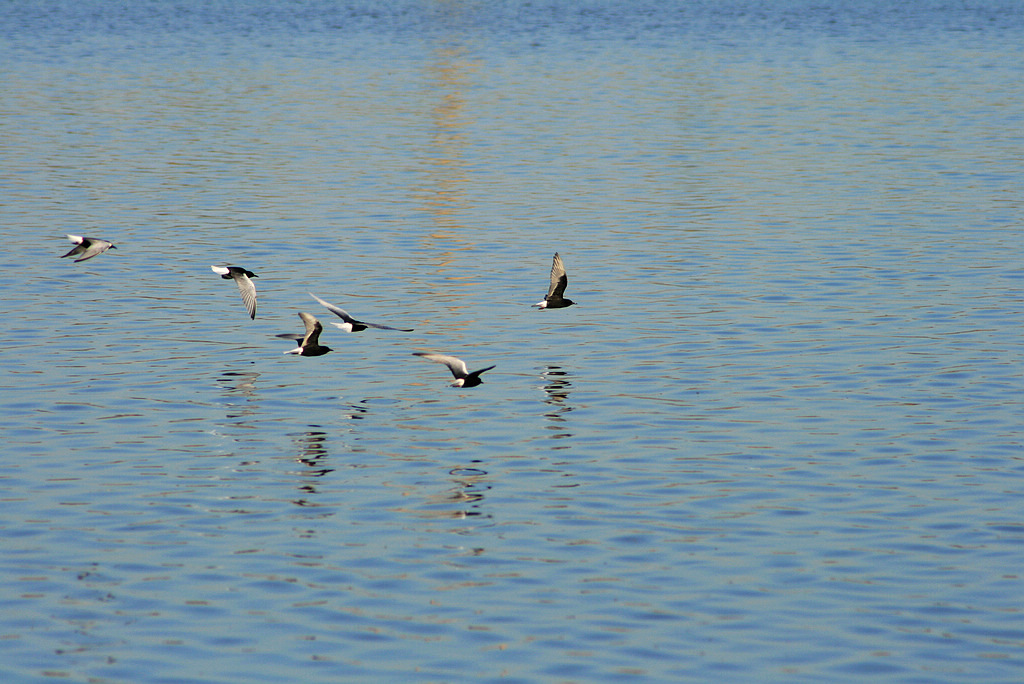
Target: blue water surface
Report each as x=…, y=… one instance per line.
x=778, y=439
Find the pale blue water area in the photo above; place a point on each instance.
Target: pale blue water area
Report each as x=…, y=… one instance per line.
x=779, y=438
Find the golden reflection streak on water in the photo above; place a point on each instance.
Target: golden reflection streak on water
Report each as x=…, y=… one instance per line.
x=445, y=177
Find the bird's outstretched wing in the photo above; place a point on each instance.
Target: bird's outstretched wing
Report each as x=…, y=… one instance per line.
x=336, y=310
x=313, y=329
x=344, y=315
x=455, y=365
x=559, y=280
x=248, y=291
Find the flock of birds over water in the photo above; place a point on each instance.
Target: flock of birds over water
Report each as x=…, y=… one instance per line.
x=308, y=343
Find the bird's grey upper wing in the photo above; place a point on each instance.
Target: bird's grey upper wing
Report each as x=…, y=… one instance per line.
x=558, y=278
x=559, y=288
x=456, y=365
x=337, y=311
x=89, y=250
x=248, y=290
x=313, y=329
x=90, y=247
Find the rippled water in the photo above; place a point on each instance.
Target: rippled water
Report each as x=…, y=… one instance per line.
x=778, y=439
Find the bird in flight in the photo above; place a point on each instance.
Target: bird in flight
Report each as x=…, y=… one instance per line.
x=554, y=298
x=463, y=378
x=88, y=247
x=309, y=343
x=245, y=286
x=350, y=324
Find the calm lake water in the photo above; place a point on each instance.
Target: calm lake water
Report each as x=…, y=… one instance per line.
x=779, y=438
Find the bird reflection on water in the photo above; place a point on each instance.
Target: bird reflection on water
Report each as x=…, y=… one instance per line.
x=557, y=390
x=313, y=449
x=236, y=382
x=459, y=502
x=240, y=389
x=312, y=446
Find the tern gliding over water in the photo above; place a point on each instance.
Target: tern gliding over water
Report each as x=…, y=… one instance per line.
x=309, y=344
x=88, y=247
x=554, y=298
x=351, y=324
x=245, y=286
x=463, y=378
